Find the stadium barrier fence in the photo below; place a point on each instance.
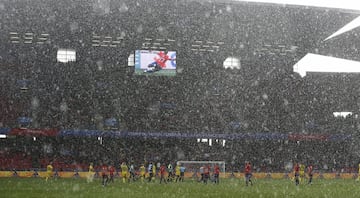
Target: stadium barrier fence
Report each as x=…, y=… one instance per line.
x=263, y=175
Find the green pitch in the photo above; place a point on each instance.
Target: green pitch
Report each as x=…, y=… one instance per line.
x=37, y=187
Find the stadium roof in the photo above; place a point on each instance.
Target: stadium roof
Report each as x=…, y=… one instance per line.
x=344, y=4
x=247, y=30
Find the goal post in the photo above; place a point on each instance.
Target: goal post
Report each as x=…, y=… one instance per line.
x=193, y=167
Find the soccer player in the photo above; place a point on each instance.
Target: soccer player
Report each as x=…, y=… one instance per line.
x=248, y=173
x=111, y=171
x=201, y=173
x=216, y=174
x=177, y=172
x=49, y=171
x=171, y=172
x=182, y=172
x=302, y=172
x=132, y=172
x=91, y=173
x=142, y=172
x=206, y=173
x=162, y=173
x=124, y=171
x=357, y=179
x=104, y=174
x=150, y=171
x=296, y=173
x=310, y=173
x=154, y=172
x=159, y=62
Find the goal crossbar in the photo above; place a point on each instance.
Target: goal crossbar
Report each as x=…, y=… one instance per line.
x=220, y=163
x=202, y=162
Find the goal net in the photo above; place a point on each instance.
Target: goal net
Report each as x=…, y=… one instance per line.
x=193, y=167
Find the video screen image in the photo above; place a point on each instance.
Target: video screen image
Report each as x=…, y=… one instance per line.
x=158, y=63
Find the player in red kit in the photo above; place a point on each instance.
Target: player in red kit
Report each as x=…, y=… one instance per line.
x=159, y=62
x=111, y=172
x=161, y=59
x=206, y=173
x=297, y=173
x=104, y=174
x=162, y=173
x=310, y=173
x=216, y=174
x=248, y=173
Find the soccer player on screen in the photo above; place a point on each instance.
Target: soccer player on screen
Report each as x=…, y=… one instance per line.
x=159, y=62
x=248, y=173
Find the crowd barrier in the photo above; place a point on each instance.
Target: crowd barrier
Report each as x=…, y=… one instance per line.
x=82, y=174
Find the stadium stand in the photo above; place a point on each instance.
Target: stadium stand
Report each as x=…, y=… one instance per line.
x=281, y=117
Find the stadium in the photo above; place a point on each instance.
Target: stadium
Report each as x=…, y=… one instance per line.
x=202, y=82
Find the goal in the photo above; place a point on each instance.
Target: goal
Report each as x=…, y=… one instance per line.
x=194, y=166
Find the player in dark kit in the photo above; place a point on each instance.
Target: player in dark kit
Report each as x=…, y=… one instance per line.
x=171, y=173
x=297, y=173
x=248, y=173
x=150, y=171
x=310, y=173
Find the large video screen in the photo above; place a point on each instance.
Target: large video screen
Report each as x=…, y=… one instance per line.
x=158, y=63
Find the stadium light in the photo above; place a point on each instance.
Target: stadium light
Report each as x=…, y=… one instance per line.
x=131, y=60
x=106, y=41
x=157, y=43
x=14, y=37
x=206, y=46
x=2, y=136
x=232, y=63
x=66, y=55
x=342, y=114
x=28, y=38
x=319, y=63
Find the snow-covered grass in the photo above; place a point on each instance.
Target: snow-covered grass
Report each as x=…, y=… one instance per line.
x=38, y=187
